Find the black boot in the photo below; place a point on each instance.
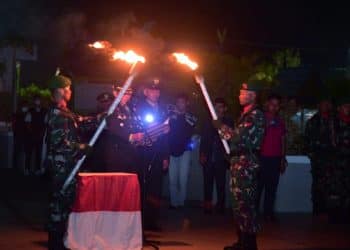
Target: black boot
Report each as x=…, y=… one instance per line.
x=56, y=241
x=249, y=242
x=238, y=244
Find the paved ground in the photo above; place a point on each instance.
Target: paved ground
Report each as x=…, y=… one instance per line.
x=23, y=204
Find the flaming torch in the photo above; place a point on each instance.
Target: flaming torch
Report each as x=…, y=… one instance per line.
x=183, y=59
x=100, y=45
x=129, y=57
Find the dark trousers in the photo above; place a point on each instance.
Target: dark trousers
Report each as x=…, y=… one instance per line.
x=36, y=148
x=215, y=172
x=268, y=179
x=18, y=148
x=23, y=145
x=151, y=186
x=321, y=165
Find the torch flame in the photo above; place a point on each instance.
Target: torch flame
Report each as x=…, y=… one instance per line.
x=130, y=56
x=100, y=45
x=183, y=59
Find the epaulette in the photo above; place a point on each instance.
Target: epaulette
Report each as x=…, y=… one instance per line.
x=191, y=119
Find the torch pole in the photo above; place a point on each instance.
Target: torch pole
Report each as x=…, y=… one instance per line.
x=213, y=113
x=102, y=125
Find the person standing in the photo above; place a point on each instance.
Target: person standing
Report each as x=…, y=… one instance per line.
x=213, y=158
x=338, y=178
x=123, y=134
x=320, y=147
x=21, y=136
x=37, y=127
x=96, y=161
x=245, y=139
x=63, y=151
x=272, y=156
x=289, y=109
x=154, y=154
x=181, y=124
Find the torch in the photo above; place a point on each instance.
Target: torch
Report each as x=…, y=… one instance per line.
x=131, y=58
x=183, y=59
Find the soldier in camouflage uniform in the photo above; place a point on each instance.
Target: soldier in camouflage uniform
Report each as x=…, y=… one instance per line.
x=245, y=140
x=320, y=147
x=294, y=140
x=64, y=149
x=338, y=177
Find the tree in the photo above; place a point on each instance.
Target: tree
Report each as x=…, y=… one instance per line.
x=225, y=73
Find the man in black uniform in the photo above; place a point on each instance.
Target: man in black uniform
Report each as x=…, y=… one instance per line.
x=21, y=136
x=154, y=155
x=214, y=161
x=37, y=127
x=96, y=161
x=123, y=135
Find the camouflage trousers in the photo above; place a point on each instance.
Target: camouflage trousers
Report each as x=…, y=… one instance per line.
x=60, y=204
x=244, y=192
x=320, y=167
x=338, y=184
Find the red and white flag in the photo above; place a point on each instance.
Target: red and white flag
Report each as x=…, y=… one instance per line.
x=106, y=214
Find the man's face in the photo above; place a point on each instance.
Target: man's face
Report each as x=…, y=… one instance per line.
x=325, y=106
x=152, y=95
x=345, y=109
x=67, y=93
x=125, y=99
x=246, y=97
x=181, y=104
x=273, y=106
x=37, y=102
x=292, y=104
x=103, y=106
x=220, y=109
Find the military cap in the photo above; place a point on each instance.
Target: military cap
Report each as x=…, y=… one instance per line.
x=118, y=88
x=251, y=86
x=105, y=97
x=59, y=81
x=153, y=84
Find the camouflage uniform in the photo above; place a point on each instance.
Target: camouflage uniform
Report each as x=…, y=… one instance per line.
x=245, y=140
x=338, y=178
x=319, y=144
x=63, y=152
x=294, y=138
x=64, y=149
x=245, y=143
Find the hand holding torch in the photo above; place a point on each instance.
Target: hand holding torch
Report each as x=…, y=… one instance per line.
x=183, y=59
x=131, y=58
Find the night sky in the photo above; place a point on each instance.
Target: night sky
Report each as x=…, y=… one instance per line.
x=284, y=23
x=320, y=32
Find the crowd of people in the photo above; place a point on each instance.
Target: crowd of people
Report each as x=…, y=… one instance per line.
x=28, y=127
x=327, y=143
x=149, y=138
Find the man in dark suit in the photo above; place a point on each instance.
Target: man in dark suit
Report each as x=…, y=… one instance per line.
x=213, y=160
x=155, y=153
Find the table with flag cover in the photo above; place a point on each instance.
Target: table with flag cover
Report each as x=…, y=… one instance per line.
x=106, y=214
